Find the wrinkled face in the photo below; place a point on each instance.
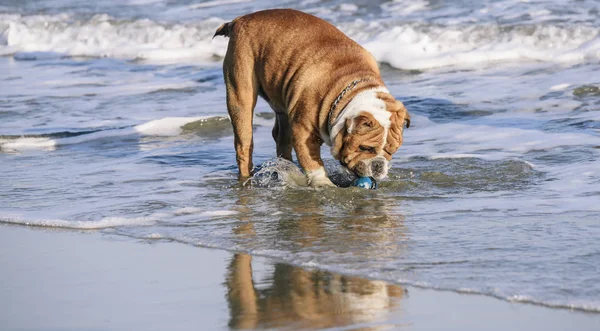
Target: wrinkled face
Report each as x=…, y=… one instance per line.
x=365, y=146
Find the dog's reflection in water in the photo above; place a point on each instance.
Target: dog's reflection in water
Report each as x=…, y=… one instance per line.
x=297, y=298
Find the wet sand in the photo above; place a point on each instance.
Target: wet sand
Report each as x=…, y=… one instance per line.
x=70, y=280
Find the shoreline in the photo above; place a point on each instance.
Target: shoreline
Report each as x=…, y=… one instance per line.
x=88, y=280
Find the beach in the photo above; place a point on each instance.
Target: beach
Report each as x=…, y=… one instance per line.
x=120, y=200
x=74, y=280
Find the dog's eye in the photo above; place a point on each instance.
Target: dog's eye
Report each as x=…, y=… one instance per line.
x=367, y=149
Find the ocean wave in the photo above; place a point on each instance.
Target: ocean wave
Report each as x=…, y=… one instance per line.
x=216, y=3
x=104, y=36
x=204, y=213
x=165, y=127
x=402, y=45
x=420, y=46
x=111, y=222
x=498, y=141
x=105, y=223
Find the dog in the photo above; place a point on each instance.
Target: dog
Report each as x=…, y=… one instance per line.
x=323, y=86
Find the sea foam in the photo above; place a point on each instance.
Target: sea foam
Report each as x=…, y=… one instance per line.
x=104, y=36
x=404, y=45
x=418, y=46
x=109, y=222
x=165, y=127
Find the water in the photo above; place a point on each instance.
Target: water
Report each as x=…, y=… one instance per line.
x=113, y=117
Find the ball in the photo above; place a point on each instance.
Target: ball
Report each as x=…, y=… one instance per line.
x=366, y=182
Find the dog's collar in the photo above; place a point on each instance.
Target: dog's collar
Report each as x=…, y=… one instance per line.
x=340, y=97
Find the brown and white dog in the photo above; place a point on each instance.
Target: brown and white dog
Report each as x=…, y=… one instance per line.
x=323, y=87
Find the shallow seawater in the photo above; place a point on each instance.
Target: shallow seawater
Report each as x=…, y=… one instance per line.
x=113, y=117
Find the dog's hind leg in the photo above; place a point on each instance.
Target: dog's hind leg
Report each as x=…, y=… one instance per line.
x=283, y=136
x=242, y=92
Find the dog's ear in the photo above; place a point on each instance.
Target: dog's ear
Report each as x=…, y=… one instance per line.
x=406, y=118
x=361, y=124
x=398, y=118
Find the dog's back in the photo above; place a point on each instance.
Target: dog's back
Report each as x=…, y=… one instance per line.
x=292, y=47
x=281, y=22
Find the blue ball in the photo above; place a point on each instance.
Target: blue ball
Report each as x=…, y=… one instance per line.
x=365, y=182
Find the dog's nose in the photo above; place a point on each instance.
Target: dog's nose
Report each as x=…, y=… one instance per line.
x=378, y=166
x=362, y=169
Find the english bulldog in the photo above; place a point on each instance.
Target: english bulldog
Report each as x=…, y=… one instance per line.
x=323, y=87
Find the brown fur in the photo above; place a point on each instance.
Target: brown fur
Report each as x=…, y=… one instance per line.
x=299, y=64
x=367, y=134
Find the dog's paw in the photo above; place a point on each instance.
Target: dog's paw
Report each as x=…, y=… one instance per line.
x=318, y=178
x=321, y=183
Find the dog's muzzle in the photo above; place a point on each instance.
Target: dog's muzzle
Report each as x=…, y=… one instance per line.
x=376, y=167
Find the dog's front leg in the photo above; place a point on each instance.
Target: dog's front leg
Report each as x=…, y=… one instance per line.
x=308, y=150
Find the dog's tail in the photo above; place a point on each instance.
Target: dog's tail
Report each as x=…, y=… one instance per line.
x=225, y=29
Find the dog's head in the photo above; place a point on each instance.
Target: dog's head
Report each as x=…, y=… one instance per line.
x=370, y=133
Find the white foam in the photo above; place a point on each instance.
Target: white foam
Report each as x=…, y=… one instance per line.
x=165, y=127
x=109, y=222
x=287, y=174
x=451, y=140
x=216, y=3
x=402, y=45
x=418, y=46
x=154, y=236
x=560, y=87
x=204, y=212
x=348, y=7
x=218, y=213
x=405, y=6
x=143, y=2
x=21, y=144
x=188, y=211
x=103, y=36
